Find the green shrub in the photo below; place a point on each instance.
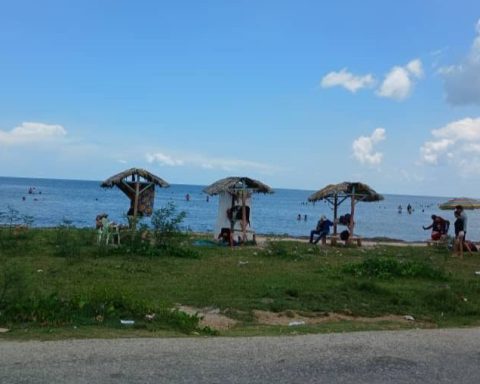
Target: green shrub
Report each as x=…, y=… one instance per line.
x=163, y=238
x=14, y=283
x=386, y=268
x=66, y=241
x=99, y=307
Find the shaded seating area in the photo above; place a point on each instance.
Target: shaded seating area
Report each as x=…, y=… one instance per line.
x=335, y=195
x=234, y=218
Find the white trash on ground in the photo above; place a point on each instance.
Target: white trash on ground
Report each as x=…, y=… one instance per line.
x=296, y=323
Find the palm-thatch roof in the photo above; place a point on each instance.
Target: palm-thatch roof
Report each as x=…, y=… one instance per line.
x=361, y=192
x=465, y=202
x=230, y=184
x=117, y=179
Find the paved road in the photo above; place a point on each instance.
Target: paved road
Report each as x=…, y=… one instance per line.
x=420, y=356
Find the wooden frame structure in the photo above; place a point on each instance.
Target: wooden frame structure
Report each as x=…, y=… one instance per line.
x=336, y=194
x=141, y=182
x=238, y=187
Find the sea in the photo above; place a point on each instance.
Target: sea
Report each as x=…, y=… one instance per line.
x=54, y=202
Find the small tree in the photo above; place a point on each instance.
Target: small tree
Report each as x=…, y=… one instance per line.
x=166, y=225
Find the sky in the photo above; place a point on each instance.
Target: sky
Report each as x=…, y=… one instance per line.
x=298, y=94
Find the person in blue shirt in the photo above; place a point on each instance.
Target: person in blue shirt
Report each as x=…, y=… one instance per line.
x=322, y=230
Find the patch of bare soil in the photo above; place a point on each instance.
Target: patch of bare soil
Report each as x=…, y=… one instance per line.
x=294, y=318
x=209, y=317
x=215, y=319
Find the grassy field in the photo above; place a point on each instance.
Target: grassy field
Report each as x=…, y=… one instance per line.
x=58, y=283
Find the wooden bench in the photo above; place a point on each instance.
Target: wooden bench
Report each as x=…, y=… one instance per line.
x=334, y=239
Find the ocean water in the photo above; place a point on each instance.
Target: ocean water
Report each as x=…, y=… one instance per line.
x=81, y=201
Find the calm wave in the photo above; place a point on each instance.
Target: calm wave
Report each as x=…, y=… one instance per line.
x=81, y=201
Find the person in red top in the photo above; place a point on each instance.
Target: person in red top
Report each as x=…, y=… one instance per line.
x=439, y=227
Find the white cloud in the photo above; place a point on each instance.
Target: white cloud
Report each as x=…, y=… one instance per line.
x=432, y=150
x=30, y=132
x=415, y=68
x=363, y=148
x=347, y=80
x=200, y=161
x=163, y=159
x=398, y=83
x=462, y=80
x=457, y=143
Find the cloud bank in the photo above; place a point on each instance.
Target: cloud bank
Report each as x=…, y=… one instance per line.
x=204, y=162
x=462, y=81
x=457, y=143
x=364, y=148
x=31, y=133
x=397, y=85
x=347, y=80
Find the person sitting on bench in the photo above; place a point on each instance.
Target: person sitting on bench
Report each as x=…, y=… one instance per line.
x=323, y=229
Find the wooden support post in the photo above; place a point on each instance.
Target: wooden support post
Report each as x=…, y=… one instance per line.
x=335, y=214
x=352, y=213
x=135, y=204
x=232, y=221
x=244, y=217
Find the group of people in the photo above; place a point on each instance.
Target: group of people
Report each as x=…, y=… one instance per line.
x=409, y=209
x=440, y=227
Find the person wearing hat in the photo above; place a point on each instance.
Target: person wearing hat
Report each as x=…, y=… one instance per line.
x=323, y=229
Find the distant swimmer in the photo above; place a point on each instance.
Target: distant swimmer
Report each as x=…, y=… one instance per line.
x=299, y=217
x=208, y=198
x=187, y=197
x=24, y=198
x=305, y=218
x=409, y=209
x=400, y=208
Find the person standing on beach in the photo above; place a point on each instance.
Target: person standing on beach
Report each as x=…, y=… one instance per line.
x=463, y=217
x=459, y=235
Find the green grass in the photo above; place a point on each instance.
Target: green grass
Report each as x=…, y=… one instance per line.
x=57, y=283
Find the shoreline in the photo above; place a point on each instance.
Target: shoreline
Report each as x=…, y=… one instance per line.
x=263, y=238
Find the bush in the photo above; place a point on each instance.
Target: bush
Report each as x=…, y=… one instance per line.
x=386, y=268
x=164, y=238
x=166, y=225
x=66, y=241
x=14, y=227
x=100, y=306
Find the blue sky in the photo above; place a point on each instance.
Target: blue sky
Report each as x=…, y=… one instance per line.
x=298, y=94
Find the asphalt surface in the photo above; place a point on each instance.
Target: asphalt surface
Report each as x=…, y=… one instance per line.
x=418, y=356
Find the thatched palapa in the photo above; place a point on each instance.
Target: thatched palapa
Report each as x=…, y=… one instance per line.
x=140, y=189
x=117, y=179
x=230, y=184
x=465, y=202
x=336, y=194
x=234, y=200
x=346, y=189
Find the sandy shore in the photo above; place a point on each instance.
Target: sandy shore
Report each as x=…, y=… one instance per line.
x=366, y=242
